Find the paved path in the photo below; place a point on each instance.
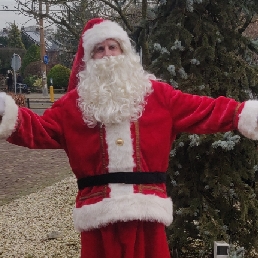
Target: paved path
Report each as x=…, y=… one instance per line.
x=23, y=171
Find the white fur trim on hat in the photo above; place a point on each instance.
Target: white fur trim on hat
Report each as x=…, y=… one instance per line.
x=102, y=31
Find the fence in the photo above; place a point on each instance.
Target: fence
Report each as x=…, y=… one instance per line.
x=36, y=103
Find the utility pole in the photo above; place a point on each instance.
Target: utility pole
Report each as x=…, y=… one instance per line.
x=42, y=51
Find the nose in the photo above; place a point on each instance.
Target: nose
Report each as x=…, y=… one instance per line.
x=107, y=51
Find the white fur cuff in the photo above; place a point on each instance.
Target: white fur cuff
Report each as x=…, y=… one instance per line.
x=10, y=118
x=248, y=124
x=2, y=103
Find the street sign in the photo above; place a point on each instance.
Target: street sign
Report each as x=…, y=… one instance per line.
x=45, y=59
x=16, y=62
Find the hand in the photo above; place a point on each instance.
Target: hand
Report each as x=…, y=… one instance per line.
x=2, y=103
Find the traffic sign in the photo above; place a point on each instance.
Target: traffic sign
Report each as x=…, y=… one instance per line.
x=45, y=59
x=16, y=62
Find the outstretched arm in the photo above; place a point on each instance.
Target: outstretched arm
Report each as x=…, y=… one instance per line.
x=205, y=115
x=23, y=127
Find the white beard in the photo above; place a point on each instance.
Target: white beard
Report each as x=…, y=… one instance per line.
x=113, y=89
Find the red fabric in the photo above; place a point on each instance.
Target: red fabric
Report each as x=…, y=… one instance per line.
x=78, y=63
x=167, y=113
x=133, y=239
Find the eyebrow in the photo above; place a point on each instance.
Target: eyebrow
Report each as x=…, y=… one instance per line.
x=110, y=44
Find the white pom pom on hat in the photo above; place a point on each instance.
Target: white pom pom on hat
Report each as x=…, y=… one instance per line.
x=96, y=31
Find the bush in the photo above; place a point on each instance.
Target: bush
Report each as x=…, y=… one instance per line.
x=60, y=76
x=34, y=83
x=18, y=98
x=32, y=69
x=30, y=80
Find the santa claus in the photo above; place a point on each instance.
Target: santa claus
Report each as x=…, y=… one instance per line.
x=117, y=124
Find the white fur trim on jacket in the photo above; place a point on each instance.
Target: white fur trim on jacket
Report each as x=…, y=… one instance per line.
x=120, y=157
x=102, y=31
x=10, y=118
x=123, y=208
x=248, y=120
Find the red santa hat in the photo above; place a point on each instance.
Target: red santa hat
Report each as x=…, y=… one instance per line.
x=95, y=31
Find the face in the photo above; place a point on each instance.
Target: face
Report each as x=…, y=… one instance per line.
x=108, y=47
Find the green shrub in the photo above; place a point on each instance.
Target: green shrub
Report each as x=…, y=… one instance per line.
x=59, y=75
x=30, y=80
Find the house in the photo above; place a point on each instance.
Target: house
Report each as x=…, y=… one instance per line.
x=32, y=33
x=4, y=33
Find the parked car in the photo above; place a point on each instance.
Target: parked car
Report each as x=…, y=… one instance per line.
x=22, y=88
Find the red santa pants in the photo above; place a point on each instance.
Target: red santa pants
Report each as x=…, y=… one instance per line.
x=133, y=239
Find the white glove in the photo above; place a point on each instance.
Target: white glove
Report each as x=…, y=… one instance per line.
x=2, y=103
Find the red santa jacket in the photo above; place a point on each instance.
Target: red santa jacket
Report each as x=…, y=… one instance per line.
x=145, y=147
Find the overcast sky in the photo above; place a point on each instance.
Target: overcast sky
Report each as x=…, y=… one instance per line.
x=7, y=17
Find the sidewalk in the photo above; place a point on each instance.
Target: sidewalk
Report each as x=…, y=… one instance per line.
x=40, y=95
x=23, y=171
x=42, y=106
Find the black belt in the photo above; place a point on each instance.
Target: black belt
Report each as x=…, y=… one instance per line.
x=122, y=177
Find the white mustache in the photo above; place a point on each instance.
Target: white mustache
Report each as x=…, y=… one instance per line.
x=112, y=90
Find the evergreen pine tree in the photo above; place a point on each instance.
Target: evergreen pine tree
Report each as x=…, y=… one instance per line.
x=198, y=46
x=32, y=55
x=14, y=37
